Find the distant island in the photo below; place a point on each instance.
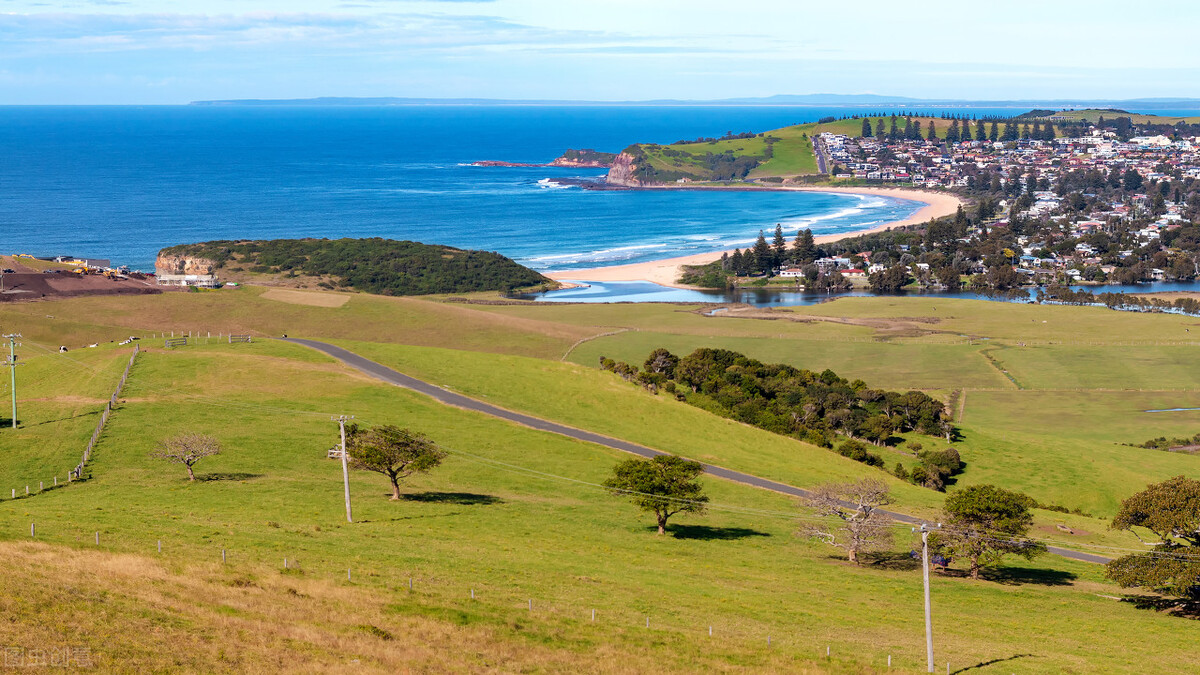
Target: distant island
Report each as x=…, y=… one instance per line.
x=379, y=266
x=587, y=159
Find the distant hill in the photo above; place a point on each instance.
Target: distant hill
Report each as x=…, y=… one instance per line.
x=380, y=266
x=843, y=100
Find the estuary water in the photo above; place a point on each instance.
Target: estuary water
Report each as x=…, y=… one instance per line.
x=122, y=182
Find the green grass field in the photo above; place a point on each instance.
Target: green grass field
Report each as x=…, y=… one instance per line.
x=1136, y=118
x=516, y=514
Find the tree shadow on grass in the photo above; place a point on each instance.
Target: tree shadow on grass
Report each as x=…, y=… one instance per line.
x=890, y=560
x=8, y=422
x=228, y=475
x=984, y=664
x=1016, y=576
x=460, y=498
x=1181, y=607
x=707, y=532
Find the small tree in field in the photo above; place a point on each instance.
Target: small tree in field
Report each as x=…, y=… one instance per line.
x=862, y=526
x=394, y=452
x=187, y=449
x=665, y=485
x=983, y=523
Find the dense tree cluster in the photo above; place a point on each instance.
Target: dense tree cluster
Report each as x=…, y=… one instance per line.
x=818, y=408
x=381, y=266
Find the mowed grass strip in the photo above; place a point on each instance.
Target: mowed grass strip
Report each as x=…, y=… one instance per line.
x=483, y=521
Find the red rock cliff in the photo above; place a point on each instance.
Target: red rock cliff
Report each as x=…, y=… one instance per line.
x=621, y=172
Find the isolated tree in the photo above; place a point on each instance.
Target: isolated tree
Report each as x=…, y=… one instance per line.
x=966, y=131
x=1131, y=180
x=394, y=452
x=994, y=132
x=879, y=128
x=980, y=132
x=187, y=449
x=866, y=127
x=779, y=244
x=804, y=248
x=1169, y=510
x=983, y=523
x=763, y=255
x=952, y=134
x=665, y=485
x=860, y=526
x=932, y=136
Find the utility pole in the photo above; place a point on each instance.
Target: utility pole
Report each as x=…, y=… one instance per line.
x=928, y=610
x=341, y=420
x=12, y=367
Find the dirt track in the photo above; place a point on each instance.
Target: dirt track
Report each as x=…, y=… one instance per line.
x=36, y=286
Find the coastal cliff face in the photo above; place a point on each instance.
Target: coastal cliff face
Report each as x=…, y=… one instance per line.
x=182, y=264
x=621, y=172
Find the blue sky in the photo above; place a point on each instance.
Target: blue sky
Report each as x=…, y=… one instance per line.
x=175, y=51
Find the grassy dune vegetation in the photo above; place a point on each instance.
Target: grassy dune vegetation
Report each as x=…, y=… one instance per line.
x=516, y=514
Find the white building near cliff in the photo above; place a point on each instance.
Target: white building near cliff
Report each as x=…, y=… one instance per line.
x=196, y=280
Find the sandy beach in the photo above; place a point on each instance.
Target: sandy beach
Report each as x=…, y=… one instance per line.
x=665, y=272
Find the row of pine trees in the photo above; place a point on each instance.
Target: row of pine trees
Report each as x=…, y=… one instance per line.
x=957, y=133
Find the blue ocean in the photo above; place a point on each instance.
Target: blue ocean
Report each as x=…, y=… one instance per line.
x=123, y=182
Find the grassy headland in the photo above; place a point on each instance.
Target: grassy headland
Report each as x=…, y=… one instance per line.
x=381, y=266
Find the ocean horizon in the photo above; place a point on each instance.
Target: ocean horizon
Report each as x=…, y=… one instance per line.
x=122, y=182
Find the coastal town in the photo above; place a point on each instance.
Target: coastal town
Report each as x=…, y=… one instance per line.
x=1041, y=199
x=1101, y=204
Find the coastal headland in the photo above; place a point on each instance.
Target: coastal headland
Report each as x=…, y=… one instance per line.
x=666, y=272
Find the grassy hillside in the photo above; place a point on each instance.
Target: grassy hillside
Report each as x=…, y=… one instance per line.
x=514, y=514
x=1136, y=118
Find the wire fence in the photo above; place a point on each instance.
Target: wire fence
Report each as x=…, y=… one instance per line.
x=77, y=472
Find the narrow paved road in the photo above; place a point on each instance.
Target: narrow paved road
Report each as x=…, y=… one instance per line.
x=390, y=376
x=819, y=151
